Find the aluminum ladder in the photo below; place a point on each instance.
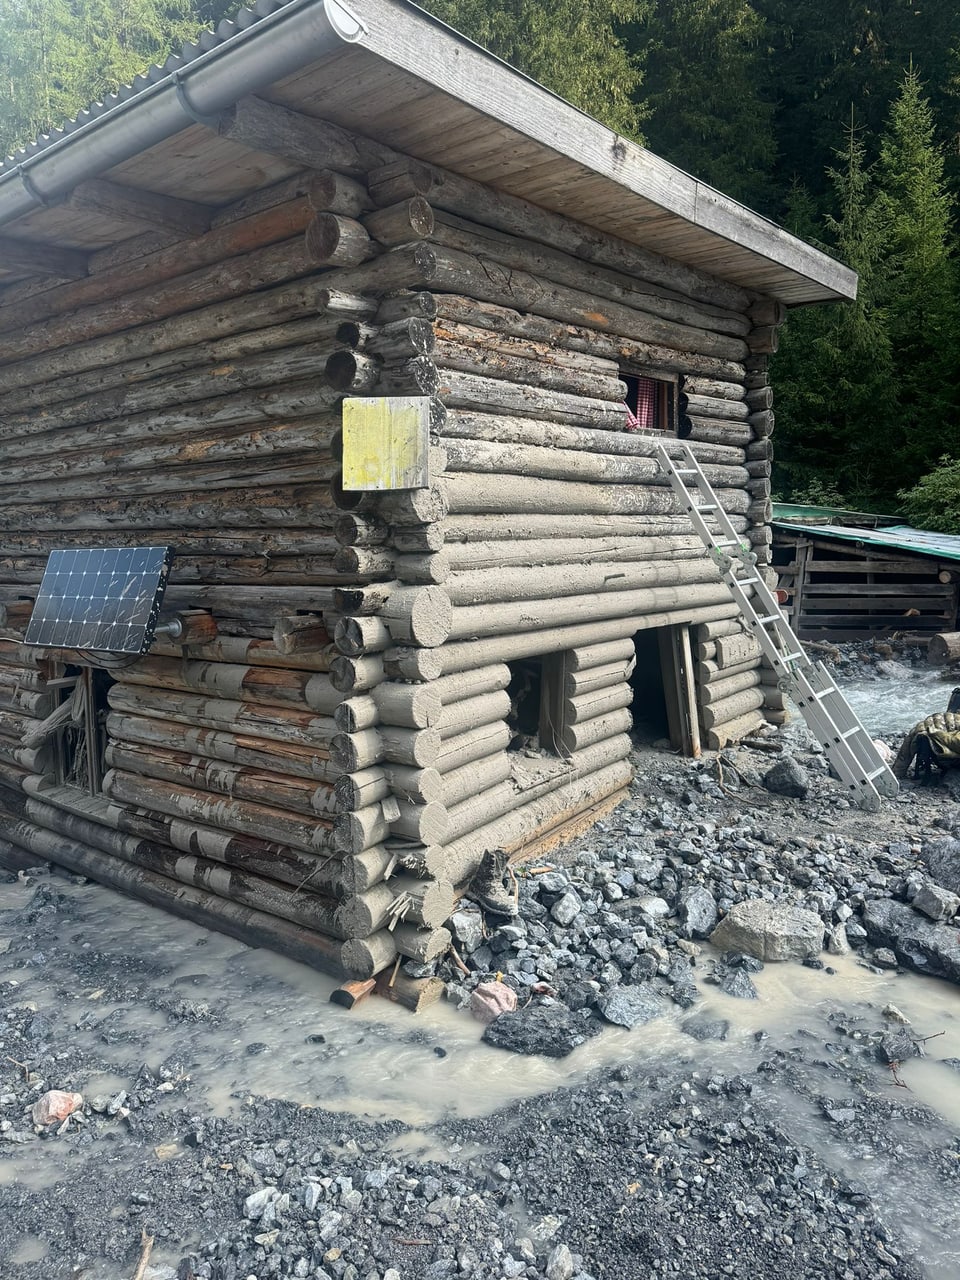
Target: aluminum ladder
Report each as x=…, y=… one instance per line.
x=849, y=748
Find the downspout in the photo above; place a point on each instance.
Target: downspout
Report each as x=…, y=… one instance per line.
x=249, y=59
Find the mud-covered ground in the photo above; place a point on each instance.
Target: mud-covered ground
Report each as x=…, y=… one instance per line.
x=254, y=1130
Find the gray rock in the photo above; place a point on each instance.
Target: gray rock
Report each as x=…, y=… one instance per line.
x=549, y=1029
x=630, y=1006
x=255, y=1205
x=896, y=1046
x=656, y=907
x=703, y=1028
x=919, y=943
x=942, y=860
x=560, y=1264
x=884, y=958
x=698, y=911
x=738, y=983
x=787, y=778
x=567, y=908
x=937, y=903
x=770, y=931
x=467, y=929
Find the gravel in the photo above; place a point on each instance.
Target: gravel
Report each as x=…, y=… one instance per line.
x=801, y=1157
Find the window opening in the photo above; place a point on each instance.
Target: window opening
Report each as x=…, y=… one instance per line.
x=651, y=403
x=78, y=726
x=536, y=717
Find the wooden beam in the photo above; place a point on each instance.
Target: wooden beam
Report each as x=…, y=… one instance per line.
x=44, y=259
x=127, y=204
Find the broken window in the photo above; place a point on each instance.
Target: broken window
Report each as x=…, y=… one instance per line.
x=74, y=734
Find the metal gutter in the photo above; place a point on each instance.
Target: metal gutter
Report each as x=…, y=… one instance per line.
x=195, y=87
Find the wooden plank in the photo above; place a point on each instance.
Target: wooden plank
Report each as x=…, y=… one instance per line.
x=913, y=567
x=879, y=589
x=43, y=259
x=868, y=620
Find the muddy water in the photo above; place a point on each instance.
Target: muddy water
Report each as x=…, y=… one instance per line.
x=894, y=706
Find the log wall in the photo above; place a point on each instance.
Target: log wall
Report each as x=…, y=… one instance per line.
x=324, y=766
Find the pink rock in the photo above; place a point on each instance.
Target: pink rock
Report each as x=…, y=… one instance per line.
x=54, y=1106
x=490, y=1000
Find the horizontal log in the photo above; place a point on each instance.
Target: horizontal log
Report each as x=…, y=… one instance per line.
x=598, y=702
x=718, y=388
x=467, y=654
x=244, y=651
x=474, y=743
x=469, y=494
x=628, y=353
x=365, y=957
x=606, y=725
x=590, y=656
x=556, y=582
x=580, y=682
x=455, y=688
x=467, y=425
x=734, y=730
x=471, y=713
x=468, y=556
x=470, y=527
x=283, y=724
x=714, y=431
x=242, y=781
x=713, y=407
x=555, y=463
x=402, y=222
x=368, y=786
x=231, y=748
x=474, y=779
x=314, y=835
x=524, y=615
x=732, y=708
x=225, y=279
x=520, y=825
x=728, y=687
x=552, y=264
x=267, y=685
x=518, y=217
x=253, y=927
x=351, y=752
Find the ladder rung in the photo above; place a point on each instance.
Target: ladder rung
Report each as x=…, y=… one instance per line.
x=876, y=773
x=789, y=657
x=727, y=542
x=685, y=471
x=707, y=507
x=746, y=582
x=771, y=617
x=851, y=733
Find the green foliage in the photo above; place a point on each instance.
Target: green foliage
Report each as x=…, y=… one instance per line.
x=709, y=89
x=834, y=371
x=934, y=501
x=574, y=47
x=58, y=56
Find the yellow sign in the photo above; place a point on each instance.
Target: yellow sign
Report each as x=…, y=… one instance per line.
x=386, y=443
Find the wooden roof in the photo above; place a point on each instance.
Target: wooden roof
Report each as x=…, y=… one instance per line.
x=411, y=82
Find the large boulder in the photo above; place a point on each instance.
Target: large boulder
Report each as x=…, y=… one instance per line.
x=942, y=860
x=787, y=778
x=546, y=1028
x=917, y=942
x=769, y=931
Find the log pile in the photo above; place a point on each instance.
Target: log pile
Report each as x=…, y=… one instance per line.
x=324, y=767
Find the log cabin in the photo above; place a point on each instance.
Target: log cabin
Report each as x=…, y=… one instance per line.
x=378, y=337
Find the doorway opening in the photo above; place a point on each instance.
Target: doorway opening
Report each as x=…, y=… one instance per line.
x=664, y=703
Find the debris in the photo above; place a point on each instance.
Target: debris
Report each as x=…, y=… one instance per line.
x=54, y=1106
x=146, y=1248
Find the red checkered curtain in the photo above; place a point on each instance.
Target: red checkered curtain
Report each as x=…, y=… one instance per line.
x=646, y=411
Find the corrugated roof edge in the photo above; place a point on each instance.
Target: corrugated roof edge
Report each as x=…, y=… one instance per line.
x=943, y=546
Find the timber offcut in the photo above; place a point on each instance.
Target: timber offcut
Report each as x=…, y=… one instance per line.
x=387, y=372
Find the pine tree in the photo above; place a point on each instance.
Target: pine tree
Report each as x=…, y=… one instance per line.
x=836, y=393
x=574, y=47
x=707, y=86
x=914, y=213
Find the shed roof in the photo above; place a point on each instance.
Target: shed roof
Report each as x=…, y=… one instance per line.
x=897, y=537
x=387, y=69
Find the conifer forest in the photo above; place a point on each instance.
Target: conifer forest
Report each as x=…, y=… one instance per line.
x=839, y=119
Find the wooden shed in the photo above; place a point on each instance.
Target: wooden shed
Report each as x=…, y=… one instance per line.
x=346, y=312
x=849, y=575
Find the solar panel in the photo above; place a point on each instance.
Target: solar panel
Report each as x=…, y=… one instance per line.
x=100, y=598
